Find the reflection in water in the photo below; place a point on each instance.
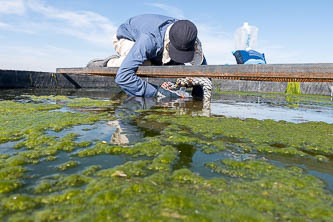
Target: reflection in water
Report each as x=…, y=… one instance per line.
x=191, y=107
x=186, y=153
x=273, y=111
x=128, y=132
x=293, y=101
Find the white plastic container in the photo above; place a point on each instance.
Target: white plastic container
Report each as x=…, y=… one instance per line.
x=246, y=37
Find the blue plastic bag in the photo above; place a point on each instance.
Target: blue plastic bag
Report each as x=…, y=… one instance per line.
x=249, y=57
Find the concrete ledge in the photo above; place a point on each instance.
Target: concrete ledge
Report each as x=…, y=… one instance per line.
x=10, y=79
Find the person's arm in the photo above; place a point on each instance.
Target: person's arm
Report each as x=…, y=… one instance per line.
x=126, y=76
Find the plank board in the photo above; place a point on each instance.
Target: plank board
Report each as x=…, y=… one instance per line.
x=311, y=72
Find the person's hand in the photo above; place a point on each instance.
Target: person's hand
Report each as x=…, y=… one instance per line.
x=166, y=85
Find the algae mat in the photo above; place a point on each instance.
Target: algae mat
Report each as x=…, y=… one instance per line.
x=57, y=164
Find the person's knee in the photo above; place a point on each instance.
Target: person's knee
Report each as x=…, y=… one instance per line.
x=123, y=82
x=124, y=85
x=118, y=80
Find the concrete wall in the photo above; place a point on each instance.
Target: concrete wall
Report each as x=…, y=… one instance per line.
x=29, y=79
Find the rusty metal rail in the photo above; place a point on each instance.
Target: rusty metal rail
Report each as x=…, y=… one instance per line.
x=312, y=72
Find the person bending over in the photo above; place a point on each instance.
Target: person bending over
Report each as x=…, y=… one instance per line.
x=156, y=40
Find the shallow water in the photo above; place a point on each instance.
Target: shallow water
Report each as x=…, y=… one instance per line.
x=259, y=109
x=274, y=112
x=192, y=143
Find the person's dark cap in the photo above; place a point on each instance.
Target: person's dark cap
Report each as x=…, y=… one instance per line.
x=183, y=34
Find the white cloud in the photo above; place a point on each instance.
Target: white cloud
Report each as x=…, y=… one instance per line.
x=12, y=7
x=4, y=25
x=86, y=25
x=90, y=26
x=217, y=45
x=278, y=54
x=169, y=10
x=76, y=19
x=23, y=28
x=43, y=57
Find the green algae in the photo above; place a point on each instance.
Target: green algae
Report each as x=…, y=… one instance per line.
x=260, y=136
x=86, y=102
x=151, y=147
x=183, y=194
x=321, y=158
x=19, y=203
x=129, y=169
x=91, y=170
x=74, y=180
x=148, y=186
x=51, y=158
x=293, y=88
x=68, y=165
x=61, y=183
x=11, y=172
x=29, y=121
x=7, y=186
x=163, y=161
x=250, y=169
x=75, y=102
x=289, y=151
x=164, y=196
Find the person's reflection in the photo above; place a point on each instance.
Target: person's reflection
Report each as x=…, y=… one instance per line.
x=129, y=131
x=191, y=107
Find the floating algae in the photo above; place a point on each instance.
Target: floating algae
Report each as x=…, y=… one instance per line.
x=156, y=182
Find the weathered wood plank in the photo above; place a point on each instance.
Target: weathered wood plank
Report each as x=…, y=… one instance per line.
x=312, y=72
x=29, y=79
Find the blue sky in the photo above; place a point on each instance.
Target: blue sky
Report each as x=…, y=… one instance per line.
x=44, y=34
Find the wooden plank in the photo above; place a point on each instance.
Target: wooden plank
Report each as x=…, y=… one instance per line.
x=311, y=72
